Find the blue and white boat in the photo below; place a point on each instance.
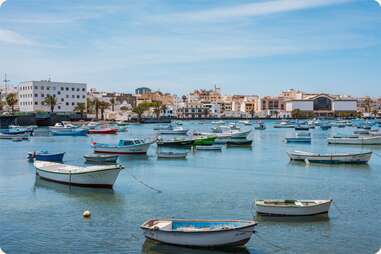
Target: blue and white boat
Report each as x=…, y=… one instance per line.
x=69, y=132
x=46, y=156
x=199, y=233
x=128, y=146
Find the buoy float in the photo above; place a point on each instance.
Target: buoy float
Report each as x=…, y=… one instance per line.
x=86, y=214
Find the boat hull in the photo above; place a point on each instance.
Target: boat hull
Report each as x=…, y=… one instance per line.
x=361, y=158
x=293, y=211
x=104, y=131
x=105, y=159
x=306, y=140
x=97, y=179
x=202, y=239
x=356, y=141
x=135, y=149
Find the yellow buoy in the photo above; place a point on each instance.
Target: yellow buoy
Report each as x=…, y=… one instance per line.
x=86, y=214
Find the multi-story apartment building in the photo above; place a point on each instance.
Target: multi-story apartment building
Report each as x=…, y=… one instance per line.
x=31, y=95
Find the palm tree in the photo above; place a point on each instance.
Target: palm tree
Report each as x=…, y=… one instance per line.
x=112, y=101
x=367, y=104
x=81, y=108
x=90, y=106
x=103, y=105
x=11, y=100
x=51, y=101
x=140, y=109
x=156, y=108
x=96, y=103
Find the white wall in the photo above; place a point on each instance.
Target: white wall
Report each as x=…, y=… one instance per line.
x=301, y=105
x=344, y=106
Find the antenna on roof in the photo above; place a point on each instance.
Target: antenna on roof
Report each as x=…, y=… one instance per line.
x=6, y=82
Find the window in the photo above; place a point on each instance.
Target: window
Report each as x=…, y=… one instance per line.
x=73, y=89
x=47, y=88
x=73, y=96
x=35, y=103
x=54, y=88
x=62, y=99
x=67, y=96
x=67, y=88
x=83, y=96
x=77, y=89
x=59, y=107
x=67, y=103
x=322, y=103
x=35, y=95
x=42, y=103
x=78, y=97
x=83, y=89
x=58, y=92
x=72, y=103
x=42, y=95
x=62, y=88
x=35, y=87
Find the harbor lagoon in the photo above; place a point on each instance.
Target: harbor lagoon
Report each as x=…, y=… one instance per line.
x=38, y=216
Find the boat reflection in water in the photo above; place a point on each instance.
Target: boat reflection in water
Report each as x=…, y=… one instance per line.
x=293, y=219
x=153, y=247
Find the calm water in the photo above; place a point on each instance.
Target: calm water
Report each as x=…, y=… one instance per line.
x=43, y=217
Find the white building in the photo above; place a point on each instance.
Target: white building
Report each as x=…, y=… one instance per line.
x=31, y=95
x=323, y=105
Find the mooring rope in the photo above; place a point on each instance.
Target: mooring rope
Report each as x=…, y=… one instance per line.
x=338, y=209
x=143, y=183
x=270, y=243
x=379, y=155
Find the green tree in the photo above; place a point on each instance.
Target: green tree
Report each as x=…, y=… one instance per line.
x=103, y=105
x=112, y=102
x=296, y=113
x=81, y=108
x=51, y=101
x=90, y=106
x=96, y=102
x=140, y=109
x=156, y=105
x=11, y=100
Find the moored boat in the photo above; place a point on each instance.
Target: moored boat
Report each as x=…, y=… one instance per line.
x=204, y=141
x=128, y=146
x=280, y=207
x=239, y=143
x=100, y=158
x=260, y=126
x=69, y=132
x=94, y=176
x=104, y=131
x=46, y=156
x=351, y=158
x=177, y=142
x=209, y=148
x=171, y=155
x=174, y=131
x=356, y=140
x=306, y=140
x=199, y=233
x=14, y=136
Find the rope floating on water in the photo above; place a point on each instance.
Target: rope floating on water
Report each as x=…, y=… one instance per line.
x=143, y=183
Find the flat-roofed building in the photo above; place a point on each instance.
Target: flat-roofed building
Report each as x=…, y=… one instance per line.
x=32, y=94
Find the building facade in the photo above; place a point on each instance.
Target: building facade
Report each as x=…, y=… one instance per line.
x=142, y=90
x=323, y=105
x=31, y=95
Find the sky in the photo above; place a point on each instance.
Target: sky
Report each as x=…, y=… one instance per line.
x=242, y=46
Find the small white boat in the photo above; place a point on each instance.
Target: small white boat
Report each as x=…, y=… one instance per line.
x=199, y=233
x=210, y=148
x=174, y=131
x=17, y=137
x=280, y=207
x=95, y=176
x=356, y=140
x=330, y=158
x=245, y=122
x=172, y=155
x=128, y=146
x=100, y=158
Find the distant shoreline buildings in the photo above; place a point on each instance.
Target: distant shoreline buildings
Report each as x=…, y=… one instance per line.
x=197, y=104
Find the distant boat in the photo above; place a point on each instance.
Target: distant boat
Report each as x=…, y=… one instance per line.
x=292, y=207
x=302, y=128
x=46, y=156
x=356, y=140
x=174, y=131
x=199, y=233
x=94, y=176
x=260, y=126
x=69, y=132
x=325, y=126
x=245, y=122
x=172, y=155
x=239, y=142
x=100, y=158
x=122, y=123
x=298, y=140
x=104, y=131
x=163, y=127
x=177, y=142
x=351, y=158
x=209, y=147
x=361, y=132
x=284, y=124
x=204, y=141
x=14, y=136
x=128, y=146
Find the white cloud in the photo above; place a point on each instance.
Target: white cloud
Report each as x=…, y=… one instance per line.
x=378, y=1
x=11, y=37
x=2, y=2
x=256, y=9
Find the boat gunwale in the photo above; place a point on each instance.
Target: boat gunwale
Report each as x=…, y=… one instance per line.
x=115, y=167
x=322, y=202
x=315, y=155
x=251, y=224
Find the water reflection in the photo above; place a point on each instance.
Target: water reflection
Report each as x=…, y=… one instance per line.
x=324, y=165
x=152, y=247
x=293, y=219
